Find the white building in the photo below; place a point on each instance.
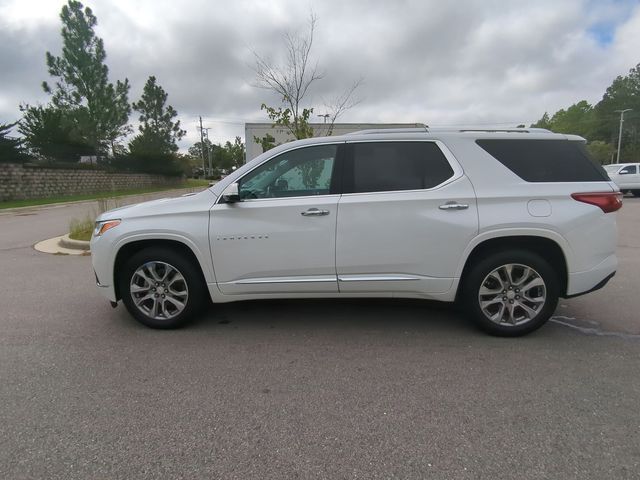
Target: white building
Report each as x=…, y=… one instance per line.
x=281, y=135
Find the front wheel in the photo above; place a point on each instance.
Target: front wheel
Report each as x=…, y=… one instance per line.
x=161, y=288
x=511, y=293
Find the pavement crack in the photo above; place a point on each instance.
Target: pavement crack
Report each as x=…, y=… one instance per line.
x=592, y=331
x=10, y=249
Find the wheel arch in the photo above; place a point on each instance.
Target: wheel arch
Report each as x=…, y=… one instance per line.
x=127, y=249
x=544, y=246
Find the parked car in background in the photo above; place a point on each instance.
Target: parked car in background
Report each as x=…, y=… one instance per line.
x=503, y=222
x=626, y=176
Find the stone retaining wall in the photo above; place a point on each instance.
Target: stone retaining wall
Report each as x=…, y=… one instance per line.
x=24, y=182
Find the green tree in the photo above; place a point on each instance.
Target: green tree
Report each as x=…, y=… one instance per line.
x=223, y=157
x=578, y=119
x=98, y=108
x=623, y=93
x=297, y=124
x=158, y=129
x=236, y=152
x=601, y=151
x=198, y=149
x=10, y=148
x=52, y=134
x=267, y=142
x=154, y=148
x=544, y=122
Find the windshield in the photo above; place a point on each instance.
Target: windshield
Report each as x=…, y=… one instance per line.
x=611, y=168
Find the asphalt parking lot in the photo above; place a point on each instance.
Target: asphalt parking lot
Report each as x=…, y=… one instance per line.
x=308, y=389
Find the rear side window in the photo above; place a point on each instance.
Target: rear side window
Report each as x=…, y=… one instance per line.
x=393, y=166
x=546, y=160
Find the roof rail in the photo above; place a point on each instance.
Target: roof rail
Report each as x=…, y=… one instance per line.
x=507, y=130
x=371, y=131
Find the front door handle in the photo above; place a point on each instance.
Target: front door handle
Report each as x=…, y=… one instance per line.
x=453, y=206
x=314, y=212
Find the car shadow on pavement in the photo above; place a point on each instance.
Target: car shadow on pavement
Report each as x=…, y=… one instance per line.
x=336, y=315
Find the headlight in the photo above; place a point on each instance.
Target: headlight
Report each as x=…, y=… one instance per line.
x=103, y=226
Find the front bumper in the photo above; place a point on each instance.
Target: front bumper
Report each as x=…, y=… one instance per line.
x=106, y=290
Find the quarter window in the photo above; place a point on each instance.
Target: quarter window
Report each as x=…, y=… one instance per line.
x=545, y=160
x=301, y=172
x=393, y=166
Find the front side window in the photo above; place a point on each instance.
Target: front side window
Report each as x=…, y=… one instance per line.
x=394, y=166
x=630, y=170
x=297, y=173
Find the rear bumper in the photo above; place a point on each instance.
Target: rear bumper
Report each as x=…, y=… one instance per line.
x=597, y=287
x=584, y=282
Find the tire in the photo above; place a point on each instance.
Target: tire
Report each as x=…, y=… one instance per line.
x=636, y=193
x=515, y=311
x=168, y=281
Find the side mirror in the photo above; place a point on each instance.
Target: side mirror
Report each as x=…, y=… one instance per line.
x=231, y=194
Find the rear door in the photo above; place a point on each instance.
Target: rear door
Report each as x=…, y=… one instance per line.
x=406, y=215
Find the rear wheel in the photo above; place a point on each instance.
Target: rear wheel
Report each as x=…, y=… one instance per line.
x=161, y=288
x=511, y=293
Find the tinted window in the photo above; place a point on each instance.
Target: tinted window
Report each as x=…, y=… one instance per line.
x=631, y=169
x=301, y=172
x=389, y=166
x=546, y=160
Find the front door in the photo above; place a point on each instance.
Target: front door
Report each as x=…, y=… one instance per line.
x=281, y=236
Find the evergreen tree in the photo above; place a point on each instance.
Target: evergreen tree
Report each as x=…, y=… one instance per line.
x=159, y=132
x=53, y=134
x=10, y=148
x=154, y=148
x=98, y=109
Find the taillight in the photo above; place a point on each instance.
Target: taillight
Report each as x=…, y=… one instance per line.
x=607, y=201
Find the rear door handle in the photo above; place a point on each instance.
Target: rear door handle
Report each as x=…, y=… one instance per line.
x=314, y=212
x=453, y=206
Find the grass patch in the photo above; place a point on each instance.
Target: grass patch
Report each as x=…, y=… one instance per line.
x=81, y=229
x=190, y=183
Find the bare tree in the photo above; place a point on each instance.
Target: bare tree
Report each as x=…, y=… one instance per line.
x=340, y=104
x=292, y=80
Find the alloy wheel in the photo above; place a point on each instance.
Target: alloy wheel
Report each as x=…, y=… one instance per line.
x=512, y=294
x=159, y=290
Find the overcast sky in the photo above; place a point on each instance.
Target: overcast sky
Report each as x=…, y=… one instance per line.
x=431, y=61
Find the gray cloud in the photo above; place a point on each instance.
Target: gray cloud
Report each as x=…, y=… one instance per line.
x=431, y=61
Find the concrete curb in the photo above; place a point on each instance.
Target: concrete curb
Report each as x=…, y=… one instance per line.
x=53, y=246
x=68, y=242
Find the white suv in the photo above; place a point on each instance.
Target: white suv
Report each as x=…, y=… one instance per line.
x=504, y=222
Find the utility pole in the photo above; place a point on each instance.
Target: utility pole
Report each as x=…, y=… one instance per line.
x=621, y=112
x=204, y=132
x=325, y=116
x=204, y=172
x=210, y=159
